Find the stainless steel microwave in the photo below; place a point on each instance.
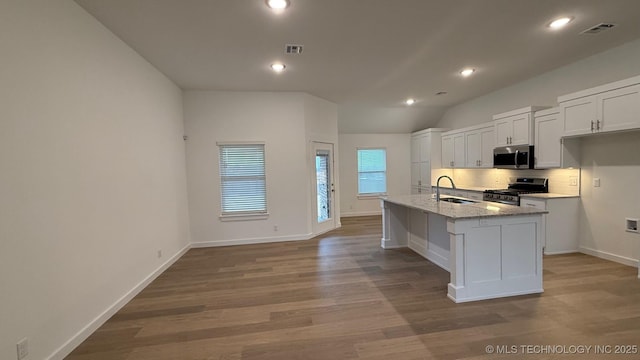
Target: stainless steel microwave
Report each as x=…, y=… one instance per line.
x=513, y=157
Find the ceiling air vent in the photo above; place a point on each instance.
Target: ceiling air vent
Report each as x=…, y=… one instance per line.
x=293, y=49
x=598, y=28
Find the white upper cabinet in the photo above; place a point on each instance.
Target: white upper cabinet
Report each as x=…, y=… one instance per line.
x=579, y=116
x=515, y=127
x=618, y=109
x=453, y=150
x=503, y=131
x=551, y=151
x=416, y=144
x=425, y=155
x=610, y=107
x=479, y=146
x=447, y=151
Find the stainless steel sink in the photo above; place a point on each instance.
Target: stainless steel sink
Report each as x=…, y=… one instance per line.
x=457, y=200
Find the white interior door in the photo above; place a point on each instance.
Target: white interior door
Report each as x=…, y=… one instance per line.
x=324, y=188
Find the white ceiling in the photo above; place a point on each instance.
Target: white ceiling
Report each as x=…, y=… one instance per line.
x=365, y=55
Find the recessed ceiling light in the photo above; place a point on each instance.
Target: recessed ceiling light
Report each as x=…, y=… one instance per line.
x=278, y=4
x=560, y=23
x=278, y=67
x=410, y=101
x=467, y=72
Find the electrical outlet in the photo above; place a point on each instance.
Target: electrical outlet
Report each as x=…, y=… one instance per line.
x=23, y=348
x=573, y=181
x=275, y=227
x=596, y=182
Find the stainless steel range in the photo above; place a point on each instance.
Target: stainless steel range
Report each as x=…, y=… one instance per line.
x=511, y=195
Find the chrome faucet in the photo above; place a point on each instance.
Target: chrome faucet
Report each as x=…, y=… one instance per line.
x=438, y=186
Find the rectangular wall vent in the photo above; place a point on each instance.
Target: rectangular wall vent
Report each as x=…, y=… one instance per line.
x=632, y=225
x=598, y=28
x=293, y=49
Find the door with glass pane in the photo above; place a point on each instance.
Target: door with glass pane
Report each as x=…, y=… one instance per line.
x=324, y=187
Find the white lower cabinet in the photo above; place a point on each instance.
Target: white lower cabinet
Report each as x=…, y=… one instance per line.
x=474, y=195
x=418, y=190
x=467, y=194
x=444, y=191
x=560, y=224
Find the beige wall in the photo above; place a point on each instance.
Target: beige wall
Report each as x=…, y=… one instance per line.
x=286, y=123
x=398, y=148
x=616, y=64
x=615, y=160
x=93, y=182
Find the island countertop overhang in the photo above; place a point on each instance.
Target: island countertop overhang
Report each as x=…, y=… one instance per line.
x=480, y=209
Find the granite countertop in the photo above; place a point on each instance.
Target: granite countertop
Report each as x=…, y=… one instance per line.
x=549, y=196
x=479, y=209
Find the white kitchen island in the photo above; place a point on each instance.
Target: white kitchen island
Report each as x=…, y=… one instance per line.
x=491, y=250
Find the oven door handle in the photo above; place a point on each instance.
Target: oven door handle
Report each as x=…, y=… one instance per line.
x=516, y=159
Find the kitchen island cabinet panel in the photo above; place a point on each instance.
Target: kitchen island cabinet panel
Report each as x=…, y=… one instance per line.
x=483, y=253
x=493, y=250
x=520, y=259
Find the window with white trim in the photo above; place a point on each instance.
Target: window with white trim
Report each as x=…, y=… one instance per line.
x=242, y=179
x=372, y=171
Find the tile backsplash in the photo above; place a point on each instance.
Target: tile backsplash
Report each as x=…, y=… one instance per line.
x=560, y=180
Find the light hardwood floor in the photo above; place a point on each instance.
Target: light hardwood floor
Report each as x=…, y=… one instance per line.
x=340, y=296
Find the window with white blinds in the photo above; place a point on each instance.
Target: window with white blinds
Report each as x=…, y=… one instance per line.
x=372, y=171
x=242, y=175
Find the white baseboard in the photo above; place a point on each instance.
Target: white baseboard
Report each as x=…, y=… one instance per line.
x=434, y=257
x=390, y=244
x=609, y=256
x=438, y=259
x=561, y=252
x=360, y=213
x=90, y=328
x=248, y=241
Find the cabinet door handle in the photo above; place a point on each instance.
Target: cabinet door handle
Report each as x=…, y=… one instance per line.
x=591, y=125
x=597, y=124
